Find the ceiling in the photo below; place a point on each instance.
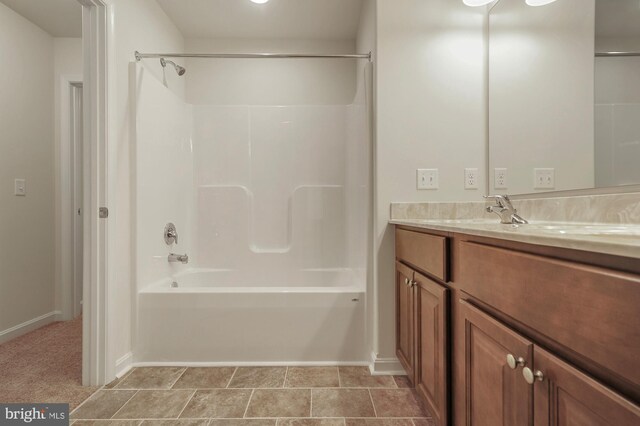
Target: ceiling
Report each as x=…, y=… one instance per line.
x=60, y=18
x=618, y=18
x=300, y=19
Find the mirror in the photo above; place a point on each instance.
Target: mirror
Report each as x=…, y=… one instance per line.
x=564, y=95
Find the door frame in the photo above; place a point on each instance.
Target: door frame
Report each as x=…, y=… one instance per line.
x=96, y=48
x=66, y=196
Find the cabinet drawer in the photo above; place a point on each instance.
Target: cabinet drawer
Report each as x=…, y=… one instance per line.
x=424, y=251
x=591, y=311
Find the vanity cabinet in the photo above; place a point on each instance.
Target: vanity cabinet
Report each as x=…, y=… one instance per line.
x=495, y=392
x=406, y=319
x=422, y=310
x=510, y=381
x=495, y=332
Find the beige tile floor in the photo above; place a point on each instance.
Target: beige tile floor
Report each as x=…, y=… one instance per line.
x=254, y=396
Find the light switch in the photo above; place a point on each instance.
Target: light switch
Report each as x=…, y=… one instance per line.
x=20, y=187
x=427, y=179
x=544, y=178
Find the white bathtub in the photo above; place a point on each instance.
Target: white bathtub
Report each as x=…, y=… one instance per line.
x=223, y=317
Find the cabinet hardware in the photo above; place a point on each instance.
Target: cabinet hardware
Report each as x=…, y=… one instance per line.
x=406, y=281
x=531, y=377
x=514, y=362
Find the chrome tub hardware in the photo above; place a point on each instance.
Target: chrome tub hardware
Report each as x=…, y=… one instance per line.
x=503, y=208
x=170, y=234
x=182, y=258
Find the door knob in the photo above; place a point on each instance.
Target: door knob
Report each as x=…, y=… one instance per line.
x=514, y=362
x=531, y=377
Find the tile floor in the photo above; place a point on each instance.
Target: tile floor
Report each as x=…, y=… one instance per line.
x=254, y=396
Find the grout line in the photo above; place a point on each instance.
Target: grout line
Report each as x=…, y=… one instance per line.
x=286, y=373
x=339, y=378
x=373, y=404
x=244, y=416
x=187, y=403
x=230, y=379
x=179, y=377
x=128, y=400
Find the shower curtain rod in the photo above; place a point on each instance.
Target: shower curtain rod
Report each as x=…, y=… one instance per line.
x=615, y=54
x=140, y=56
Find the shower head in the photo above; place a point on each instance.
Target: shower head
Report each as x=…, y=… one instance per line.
x=180, y=70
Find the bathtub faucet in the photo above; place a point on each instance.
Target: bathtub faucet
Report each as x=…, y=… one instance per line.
x=183, y=258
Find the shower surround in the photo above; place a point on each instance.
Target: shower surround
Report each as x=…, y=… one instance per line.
x=270, y=204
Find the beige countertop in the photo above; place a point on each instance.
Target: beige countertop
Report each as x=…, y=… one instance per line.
x=615, y=239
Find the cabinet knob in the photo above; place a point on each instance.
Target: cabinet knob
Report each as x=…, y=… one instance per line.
x=514, y=362
x=406, y=281
x=531, y=377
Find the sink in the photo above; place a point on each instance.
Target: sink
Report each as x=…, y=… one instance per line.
x=632, y=231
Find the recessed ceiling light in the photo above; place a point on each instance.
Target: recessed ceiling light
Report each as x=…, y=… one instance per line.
x=539, y=2
x=259, y=1
x=474, y=3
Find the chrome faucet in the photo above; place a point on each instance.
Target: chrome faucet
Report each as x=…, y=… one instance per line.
x=183, y=258
x=504, y=209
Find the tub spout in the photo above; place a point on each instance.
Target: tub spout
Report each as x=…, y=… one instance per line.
x=183, y=258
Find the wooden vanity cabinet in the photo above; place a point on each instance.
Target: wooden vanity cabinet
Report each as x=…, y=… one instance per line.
x=406, y=319
x=422, y=310
x=564, y=396
x=474, y=314
x=495, y=393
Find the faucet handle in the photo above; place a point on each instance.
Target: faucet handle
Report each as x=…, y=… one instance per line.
x=501, y=200
x=170, y=234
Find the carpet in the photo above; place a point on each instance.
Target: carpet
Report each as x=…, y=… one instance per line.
x=44, y=366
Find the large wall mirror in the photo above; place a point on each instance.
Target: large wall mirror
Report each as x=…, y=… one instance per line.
x=564, y=95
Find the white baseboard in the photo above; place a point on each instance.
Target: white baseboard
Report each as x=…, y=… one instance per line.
x=385, y=366
x=252, y=364
x=27, y=326
x=124, y=364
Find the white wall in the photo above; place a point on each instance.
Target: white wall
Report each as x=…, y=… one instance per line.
x=163, y=177
x=137, y=25
x=541, y=95
x=269, y=81
x=67, y=61
x=430, y=114
x=26, y=151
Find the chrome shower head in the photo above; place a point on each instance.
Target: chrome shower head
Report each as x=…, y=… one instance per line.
x=180, y=70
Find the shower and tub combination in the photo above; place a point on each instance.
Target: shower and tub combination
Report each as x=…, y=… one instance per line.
x=252, y=223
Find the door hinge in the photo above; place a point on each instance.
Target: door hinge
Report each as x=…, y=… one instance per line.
x=103, y=212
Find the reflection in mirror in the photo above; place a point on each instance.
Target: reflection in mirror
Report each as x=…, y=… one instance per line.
x=543, y=85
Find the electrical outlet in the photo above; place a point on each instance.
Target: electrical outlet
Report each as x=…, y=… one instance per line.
x=20, y=187
x=544, y=178
x=499, y=178
x=470, y=178
x=427, y=179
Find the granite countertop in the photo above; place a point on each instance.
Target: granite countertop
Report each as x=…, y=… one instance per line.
x=620, y=240
x=608, y=224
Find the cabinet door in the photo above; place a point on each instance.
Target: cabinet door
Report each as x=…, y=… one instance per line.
x=405, y=322
x=565, y=396
x=432, y=346
x=496, y=394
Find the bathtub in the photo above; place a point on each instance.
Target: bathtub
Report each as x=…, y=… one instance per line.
x=230, y=317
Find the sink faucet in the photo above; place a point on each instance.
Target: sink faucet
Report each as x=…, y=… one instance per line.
x=504, y=209
x=183, y=258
